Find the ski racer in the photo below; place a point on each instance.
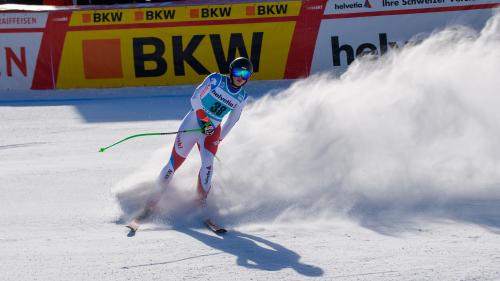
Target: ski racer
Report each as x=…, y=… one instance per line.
x=217, y=96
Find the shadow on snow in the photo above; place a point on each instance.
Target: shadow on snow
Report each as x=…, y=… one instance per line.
x=251, y=251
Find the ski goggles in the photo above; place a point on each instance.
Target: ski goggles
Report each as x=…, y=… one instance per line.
x=240, y=72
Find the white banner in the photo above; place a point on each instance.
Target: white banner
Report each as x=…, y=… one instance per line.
x=341, y=40
x=362, y=6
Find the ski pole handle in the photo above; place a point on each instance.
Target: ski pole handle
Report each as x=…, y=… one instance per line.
x=102, y=149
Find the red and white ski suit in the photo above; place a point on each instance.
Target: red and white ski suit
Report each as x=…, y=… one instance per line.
x=211, y=101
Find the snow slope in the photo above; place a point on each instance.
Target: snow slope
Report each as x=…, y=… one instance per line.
x=390, y=172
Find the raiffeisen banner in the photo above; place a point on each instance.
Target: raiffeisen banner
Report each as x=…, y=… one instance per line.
x=21, y=35
x=174, y=45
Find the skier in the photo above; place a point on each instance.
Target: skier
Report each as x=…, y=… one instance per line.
x=213, y=99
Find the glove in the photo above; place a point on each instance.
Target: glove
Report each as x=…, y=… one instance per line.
x=208, y=129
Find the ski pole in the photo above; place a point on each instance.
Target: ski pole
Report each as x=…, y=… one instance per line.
x=102, y=149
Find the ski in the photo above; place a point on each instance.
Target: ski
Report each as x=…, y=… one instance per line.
x=214, y=227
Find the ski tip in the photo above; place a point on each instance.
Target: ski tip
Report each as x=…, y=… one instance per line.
x=132, y=231
x=221, y=231
x=214, y=227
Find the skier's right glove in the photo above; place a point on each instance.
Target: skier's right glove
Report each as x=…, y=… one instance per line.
x=208, y=128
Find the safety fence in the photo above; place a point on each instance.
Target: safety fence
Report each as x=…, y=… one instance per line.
x=177, y=43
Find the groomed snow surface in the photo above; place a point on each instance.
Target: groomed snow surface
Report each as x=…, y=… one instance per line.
x=390, y=172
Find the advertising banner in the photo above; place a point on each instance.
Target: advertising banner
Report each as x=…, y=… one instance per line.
x=350, y=8
x=343, y=35
x=174, y=45
x=186, y=14
x=170, y=56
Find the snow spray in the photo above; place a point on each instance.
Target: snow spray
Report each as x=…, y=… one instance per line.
x=413, y=133
x=417, y=131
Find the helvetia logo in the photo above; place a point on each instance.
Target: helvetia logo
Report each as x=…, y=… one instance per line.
x=354, y=5
x=342, y=52
x=222, y=99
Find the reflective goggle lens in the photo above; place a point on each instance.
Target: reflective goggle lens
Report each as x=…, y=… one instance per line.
x=240, y=72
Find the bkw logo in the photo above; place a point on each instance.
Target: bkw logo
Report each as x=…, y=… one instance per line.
x=183, y=53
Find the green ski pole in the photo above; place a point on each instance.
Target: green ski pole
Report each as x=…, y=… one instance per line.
x=102, y=149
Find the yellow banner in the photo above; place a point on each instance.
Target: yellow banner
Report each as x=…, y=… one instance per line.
x=171, y=56
x=186, y=14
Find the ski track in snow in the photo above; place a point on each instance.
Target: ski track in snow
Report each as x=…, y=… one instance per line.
x=392, y=181
x=9, y=146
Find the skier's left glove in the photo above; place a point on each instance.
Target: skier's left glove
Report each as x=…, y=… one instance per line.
x=208, y=128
